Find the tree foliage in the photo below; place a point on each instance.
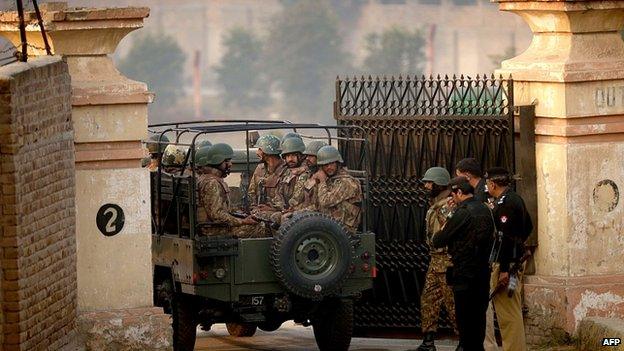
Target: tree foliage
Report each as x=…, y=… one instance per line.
x=239, y=74
x=395, y=51
x=303, y=56
x=158, y=61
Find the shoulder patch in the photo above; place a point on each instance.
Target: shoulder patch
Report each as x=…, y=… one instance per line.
x=501, y=200
x=503, y=219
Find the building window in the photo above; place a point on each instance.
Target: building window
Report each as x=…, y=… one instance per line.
x=392, y=2
x=464, y=2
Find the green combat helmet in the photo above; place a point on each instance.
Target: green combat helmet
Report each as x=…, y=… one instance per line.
x=438, y=175
x=292, y=145
x=269, y=144
x=328, y=154
x=290, y=135
x=313, y=147
x=153, y=145
x=214, y=155
x=174, y=155
x=203, y=143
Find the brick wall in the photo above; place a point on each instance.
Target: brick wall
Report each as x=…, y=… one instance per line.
x=37, y=220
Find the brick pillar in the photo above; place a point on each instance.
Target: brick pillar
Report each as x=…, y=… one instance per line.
x=38, y=241
x=574, y=72
x=109, y=114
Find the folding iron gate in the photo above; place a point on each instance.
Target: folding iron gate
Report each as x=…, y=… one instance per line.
x=413, y=124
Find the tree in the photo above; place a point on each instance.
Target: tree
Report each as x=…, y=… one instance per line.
x=394, y=51
x=239, y=73
x=157, y=60
x=304, y=56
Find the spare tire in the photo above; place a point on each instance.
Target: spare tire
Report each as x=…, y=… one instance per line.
x=311, y=255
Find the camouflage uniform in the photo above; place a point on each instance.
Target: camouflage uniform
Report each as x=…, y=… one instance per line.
x=291, y=184
x=340, y=197
x=264, y=190
x=305, y=194
x=436, y=292
x=214, y=207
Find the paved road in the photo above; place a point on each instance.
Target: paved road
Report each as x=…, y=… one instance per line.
x=293, y=337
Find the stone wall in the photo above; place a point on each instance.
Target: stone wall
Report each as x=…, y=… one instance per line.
x=38, y=240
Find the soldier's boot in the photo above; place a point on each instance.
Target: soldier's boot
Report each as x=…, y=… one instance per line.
x=428, y=343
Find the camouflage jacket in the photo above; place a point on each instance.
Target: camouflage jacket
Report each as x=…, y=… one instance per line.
x=263, y=186
x=435, y=219
x=290, y=186
x=340, y=197
x=214, y=199
x=305, y=195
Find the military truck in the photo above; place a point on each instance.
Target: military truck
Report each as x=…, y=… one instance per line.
x=310, y=271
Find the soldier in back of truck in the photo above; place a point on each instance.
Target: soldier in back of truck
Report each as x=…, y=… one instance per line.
x=305, y=192
x=156, y=145
x=263, y=185
x=514, y=223
x=339, y=193
x=213, y=164
x=296, y=174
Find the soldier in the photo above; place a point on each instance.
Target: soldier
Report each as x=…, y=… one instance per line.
x=213, y=164
x=436, y=292
x=288, y=136
x=468, y=236
x=203, y=143
x=310, y=153
x=174, y=158
x=513, y=220
x=304, y=196
x=339, y=194
x=296, y=174
x=155, y=148
x=263, y=185
x=272, y=166
x=470, y=169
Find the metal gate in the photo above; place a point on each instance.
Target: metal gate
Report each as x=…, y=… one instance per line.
x=412, y=124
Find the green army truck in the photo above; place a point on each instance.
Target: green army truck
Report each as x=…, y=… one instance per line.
x=310, y=271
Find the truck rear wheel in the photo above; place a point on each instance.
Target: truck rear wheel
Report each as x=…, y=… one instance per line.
x=333, y=327
x=311, y=255
x=184, y=323
x=244, y=330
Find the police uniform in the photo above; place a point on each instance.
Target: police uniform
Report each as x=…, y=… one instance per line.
x=513, y=220
x=340, y=197
x=214, y=208
x=468, y=235
x=436, y=292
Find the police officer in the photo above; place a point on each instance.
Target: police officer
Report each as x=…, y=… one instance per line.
x=213, y=164
x=468, y=234
x=470, y=169
x=514, y=222
x=156, y=145
x=263, y=183
x=339, y=194
x=437, y=293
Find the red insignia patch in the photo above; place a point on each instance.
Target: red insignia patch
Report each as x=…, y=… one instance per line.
x=503, y=219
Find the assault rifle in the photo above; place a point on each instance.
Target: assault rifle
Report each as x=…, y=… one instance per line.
x=271, y=224
x=514, y=269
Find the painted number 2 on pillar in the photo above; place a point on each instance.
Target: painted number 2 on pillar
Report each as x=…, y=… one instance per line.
x=110, y=219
